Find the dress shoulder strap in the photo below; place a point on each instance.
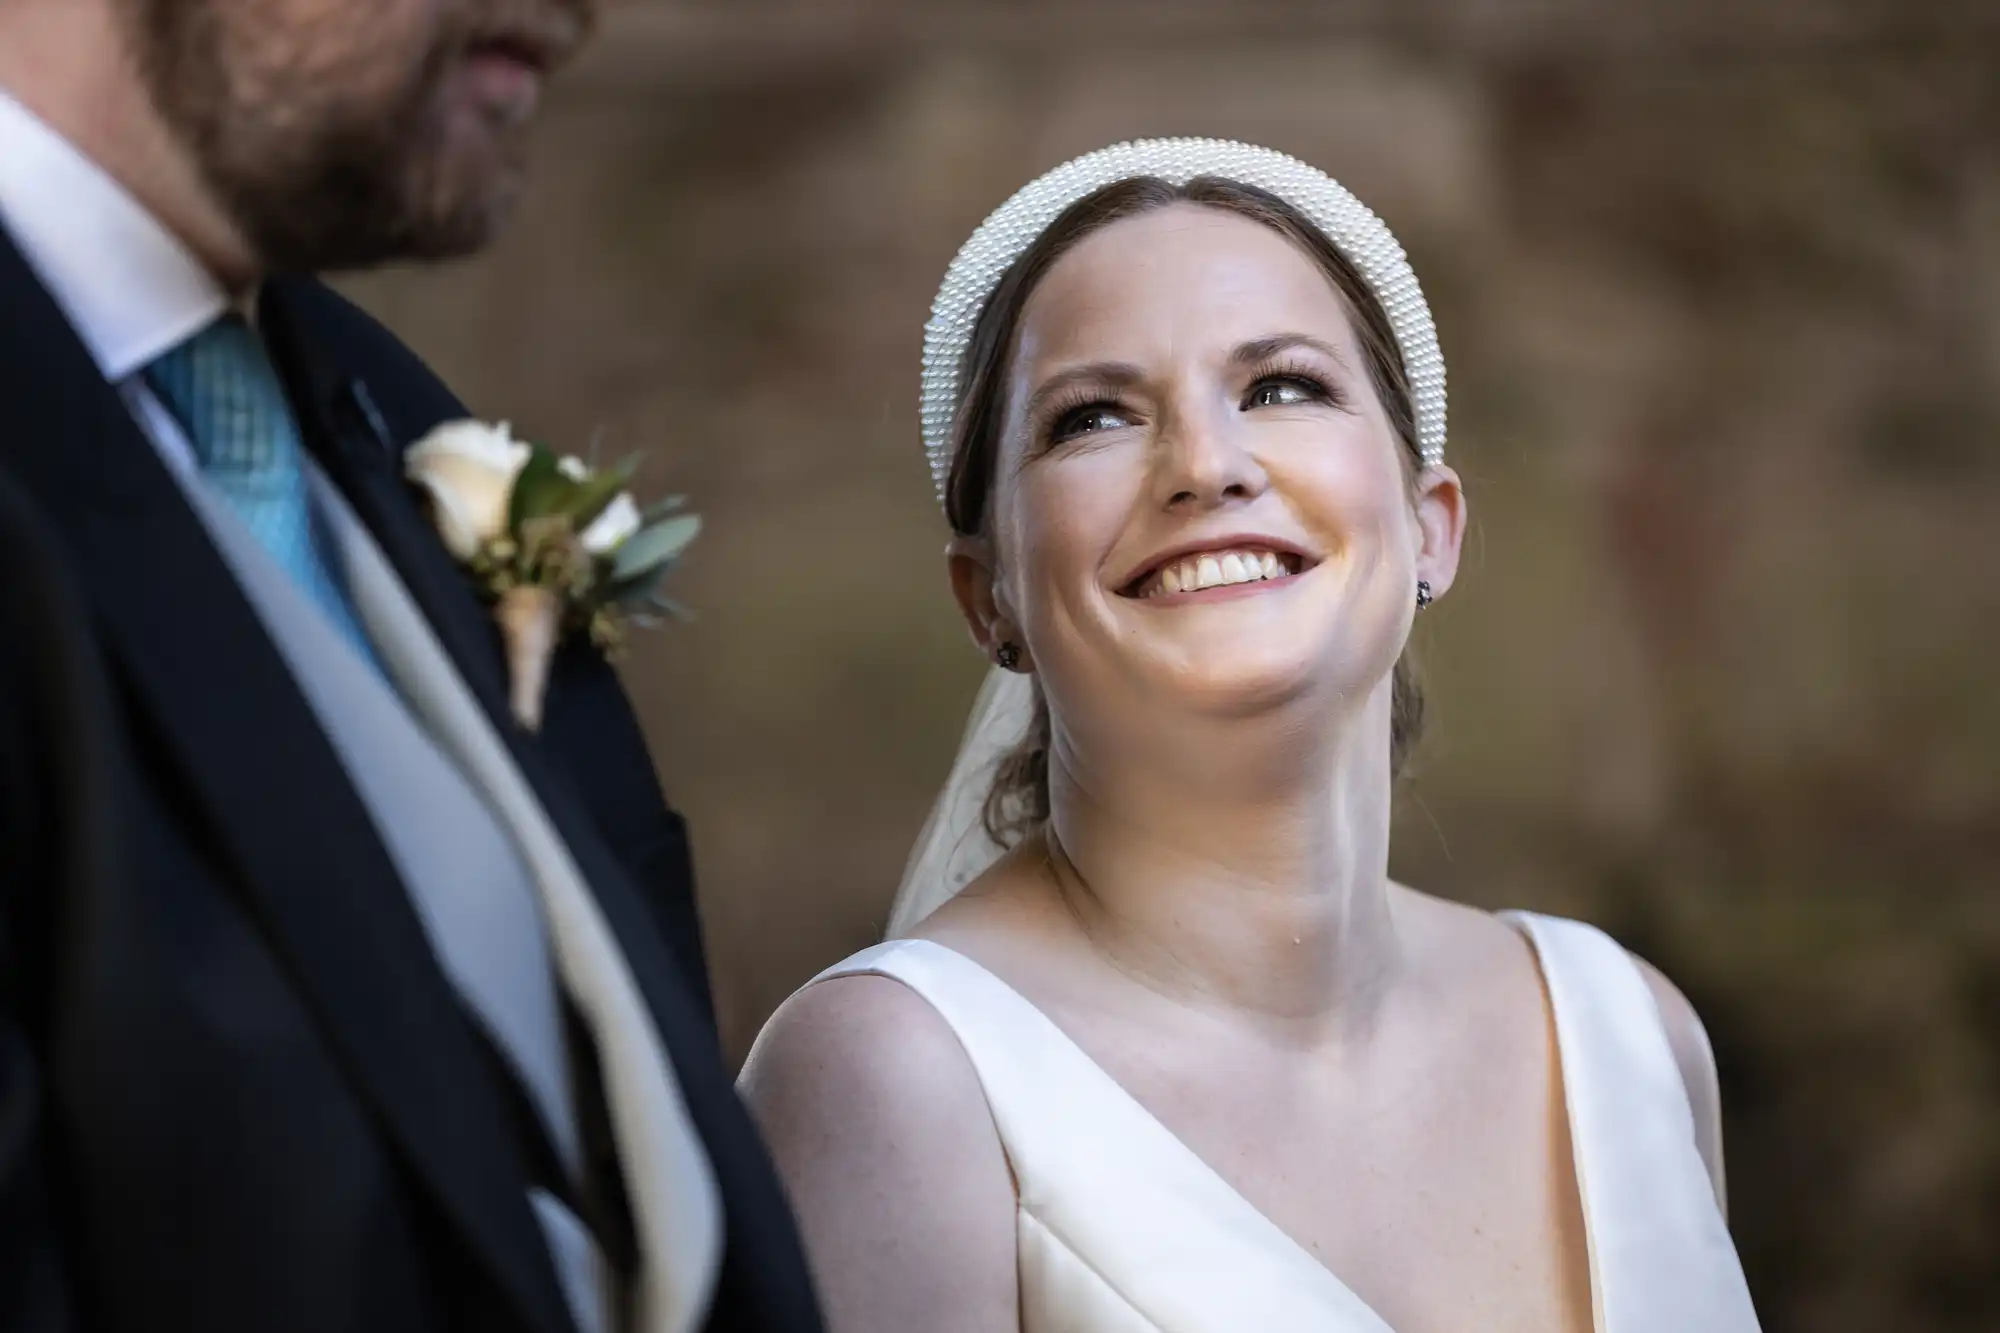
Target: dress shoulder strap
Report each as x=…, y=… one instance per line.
x=1608, y=1022
x=1661, y=1256
x=1040, y=1085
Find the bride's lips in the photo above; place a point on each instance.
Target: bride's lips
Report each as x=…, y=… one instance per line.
x=1212, y=568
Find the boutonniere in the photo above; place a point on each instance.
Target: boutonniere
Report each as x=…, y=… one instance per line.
x=556, y=545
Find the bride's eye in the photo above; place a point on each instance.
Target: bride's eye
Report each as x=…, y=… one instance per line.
x=1286, y=391
x=1088, y=419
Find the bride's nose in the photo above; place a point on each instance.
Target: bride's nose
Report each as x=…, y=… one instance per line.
x=1202, y=462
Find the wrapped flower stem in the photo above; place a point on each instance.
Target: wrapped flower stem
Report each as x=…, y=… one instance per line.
x=530, y=625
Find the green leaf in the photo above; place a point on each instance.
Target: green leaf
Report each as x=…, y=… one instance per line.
x=594, y=494
x=631, y=595
x=660, y=508
x=540, y=490
x=648, y=552
x=637, y=594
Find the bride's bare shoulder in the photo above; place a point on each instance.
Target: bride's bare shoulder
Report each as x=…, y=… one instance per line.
x=878, y=1125
x=837, y=1048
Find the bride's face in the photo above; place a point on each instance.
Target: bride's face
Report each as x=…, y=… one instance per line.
x=1199, y=497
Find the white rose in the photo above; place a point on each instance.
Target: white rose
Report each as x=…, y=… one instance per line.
x=468, y=469
x=620, y=519
x=610, y=529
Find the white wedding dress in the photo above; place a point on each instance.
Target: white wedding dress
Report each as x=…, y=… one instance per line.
x=1123, y=1229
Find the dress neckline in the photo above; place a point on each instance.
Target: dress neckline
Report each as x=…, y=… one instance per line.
x=1116, y=1093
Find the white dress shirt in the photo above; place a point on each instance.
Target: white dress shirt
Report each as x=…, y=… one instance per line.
x=131, y=290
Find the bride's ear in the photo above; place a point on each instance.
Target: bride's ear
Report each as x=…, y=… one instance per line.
x=1440, y=527
x=975, y=583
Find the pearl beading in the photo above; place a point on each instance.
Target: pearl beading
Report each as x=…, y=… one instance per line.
x=1007, y=233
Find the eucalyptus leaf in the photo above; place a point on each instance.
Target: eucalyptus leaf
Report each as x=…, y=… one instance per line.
x=636, y=594
x=540, y=489
x=641, y=590
x=652, y=549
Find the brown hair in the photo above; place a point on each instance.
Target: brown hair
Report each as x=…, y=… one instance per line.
x=1019, y=800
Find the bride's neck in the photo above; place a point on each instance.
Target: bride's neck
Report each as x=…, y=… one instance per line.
x=1245, y=869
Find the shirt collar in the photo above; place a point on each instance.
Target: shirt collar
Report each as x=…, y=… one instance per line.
x=129, y=287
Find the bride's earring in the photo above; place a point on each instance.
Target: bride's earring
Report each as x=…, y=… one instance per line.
x=1424, y=597
x=1009, y=657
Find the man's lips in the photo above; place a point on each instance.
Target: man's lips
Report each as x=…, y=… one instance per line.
x=505, y=70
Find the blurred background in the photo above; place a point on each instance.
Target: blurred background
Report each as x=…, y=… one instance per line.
x=1719, y=287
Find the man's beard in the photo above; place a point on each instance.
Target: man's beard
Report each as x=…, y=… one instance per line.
x=328, y=150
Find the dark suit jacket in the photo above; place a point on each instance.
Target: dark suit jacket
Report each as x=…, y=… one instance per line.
x=236, y=1091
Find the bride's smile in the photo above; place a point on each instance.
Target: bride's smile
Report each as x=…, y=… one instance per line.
x=1206, y=571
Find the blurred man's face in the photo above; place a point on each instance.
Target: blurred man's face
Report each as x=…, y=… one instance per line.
x=343, y=133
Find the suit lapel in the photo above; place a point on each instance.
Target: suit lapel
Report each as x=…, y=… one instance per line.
x=344, y=430
x=298, y=841
x=362, y=453
x=764, y=1269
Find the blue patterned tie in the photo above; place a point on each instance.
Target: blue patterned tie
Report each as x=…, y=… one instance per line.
x=222, y=388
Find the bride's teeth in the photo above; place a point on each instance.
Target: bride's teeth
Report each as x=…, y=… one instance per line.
x=1218, y=569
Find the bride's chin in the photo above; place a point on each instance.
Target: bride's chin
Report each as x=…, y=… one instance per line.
x=1237, y=689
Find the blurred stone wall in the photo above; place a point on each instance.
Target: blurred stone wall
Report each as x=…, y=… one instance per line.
x=1719, y=285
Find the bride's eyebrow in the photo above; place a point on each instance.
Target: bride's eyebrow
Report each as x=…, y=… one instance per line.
x=1110, y=374
x=1259, y=350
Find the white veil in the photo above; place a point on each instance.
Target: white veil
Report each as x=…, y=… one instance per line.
x=954, y=846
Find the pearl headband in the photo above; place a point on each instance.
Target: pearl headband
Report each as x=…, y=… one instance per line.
x=1013, y=227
